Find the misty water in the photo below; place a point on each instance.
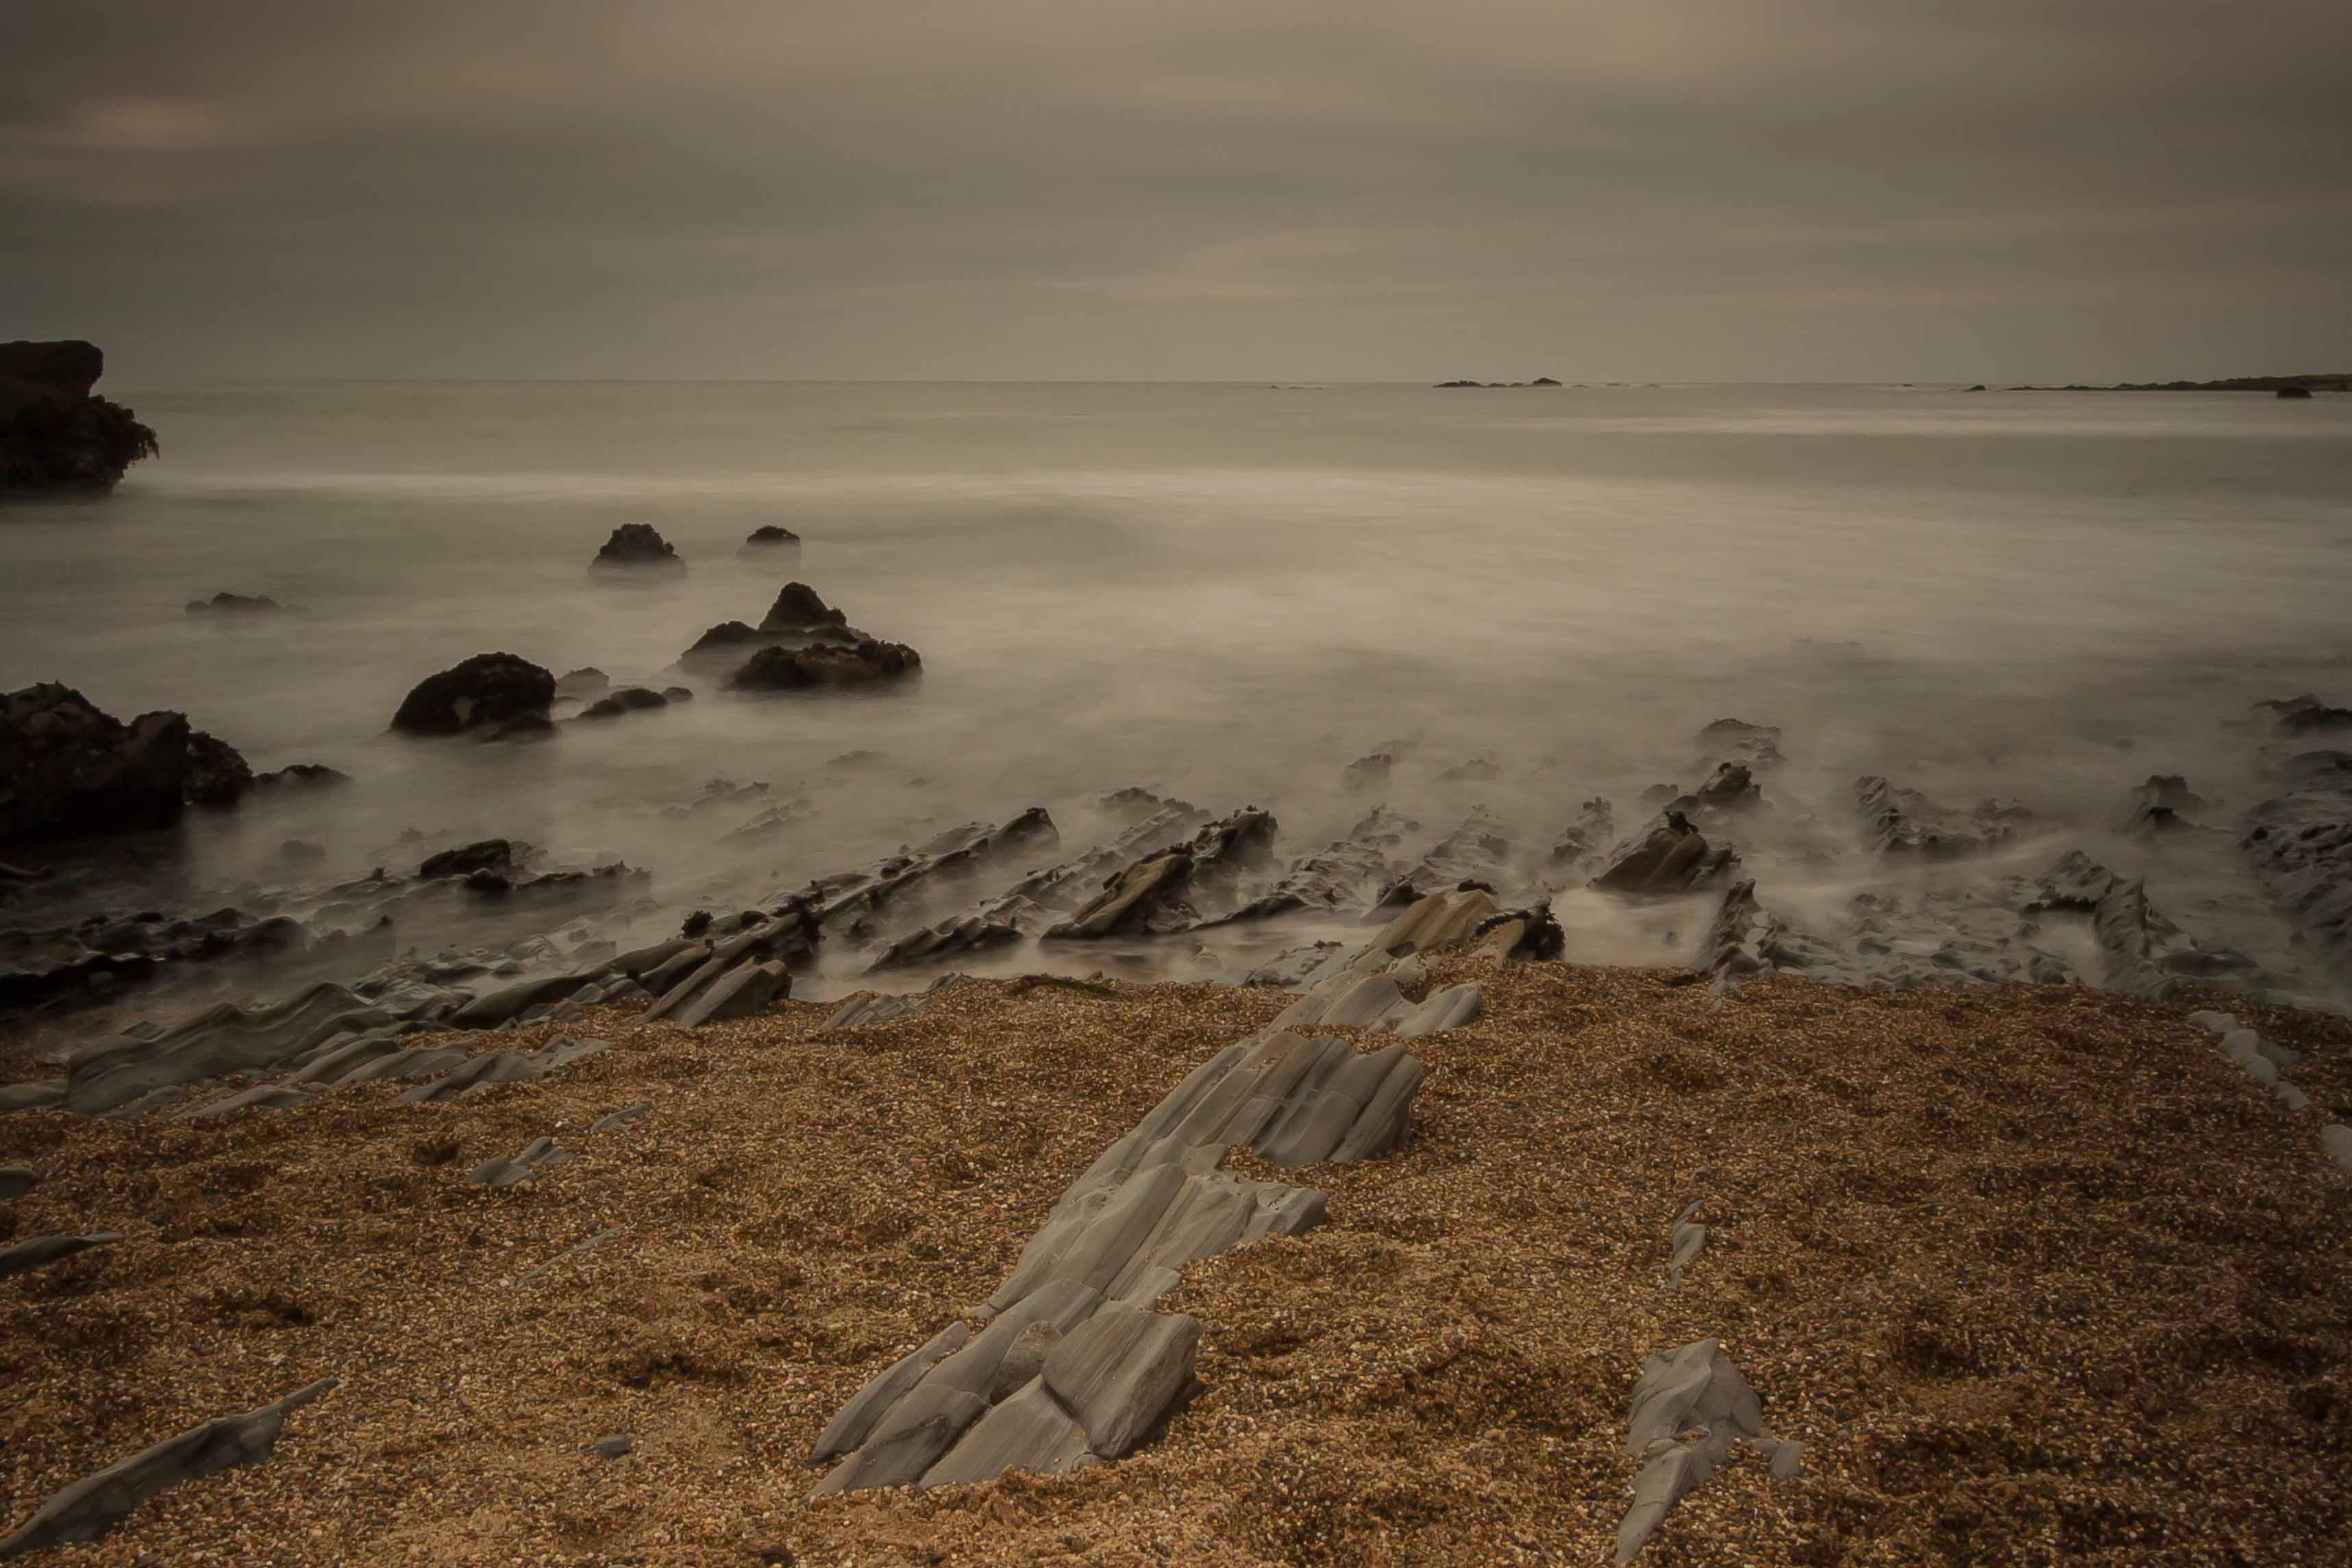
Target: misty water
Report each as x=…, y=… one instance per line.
x=1225, y=593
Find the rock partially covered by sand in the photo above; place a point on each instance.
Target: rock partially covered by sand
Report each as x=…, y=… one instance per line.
x=489, y=692
x=781, y=669
x=636, y=547
x=71, y=769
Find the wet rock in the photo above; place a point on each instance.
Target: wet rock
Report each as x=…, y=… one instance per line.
x=2305, y=715
x=2299, y=843
x=300, y=776
x=626, y=700
x=1580, y=843
x=1904, y=824
x=799, y=610
x=483, y=855
x=490, y=693
x=73, y=770
x=94, y=1505
x=770, y=537
x=1347, y=875
x=582, y=684
x=1520, y=936
x=1731, y=788
x=223, y=1039
x=727, y=637
x=781, y=669
x=217, y=776
x=2163, y=806
x=1483, y=769
x=1755, y=746
x=35, y=1094
x=1671, y=857
x=637, y=547
x=233, y=604
x=1745, y=938
x=1179, y=887
x=1478, y=850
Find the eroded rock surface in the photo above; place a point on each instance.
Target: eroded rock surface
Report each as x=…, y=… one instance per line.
x=2299, y=843
x=1906, y=823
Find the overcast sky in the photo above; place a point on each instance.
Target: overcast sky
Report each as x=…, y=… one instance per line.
x=1769, y=190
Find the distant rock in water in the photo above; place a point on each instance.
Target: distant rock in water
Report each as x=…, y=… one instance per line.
x=72, y=770
x=769, y=539
x=780, y=669
x=638, y=545
x=799, y=609
x=502, y=694
x=1538, y=382
x=54, y=434
x=584, y=684
x=2305, y=715
x=301, y=776
x=233, y=604
x=624, y=700
x=2293, y=391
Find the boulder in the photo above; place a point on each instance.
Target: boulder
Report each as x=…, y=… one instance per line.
x=217, y=775
x=70, y=769
x=769, y=536
x=781, y=669
x=636, y=547
x=488, y=692
x=624, y=700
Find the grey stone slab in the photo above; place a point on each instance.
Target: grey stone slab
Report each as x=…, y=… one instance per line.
x=39, y=1095
x=260, y=1096
x=95, y=1504
x=1449, y=1009
x=907, y=1441
x=851, y=1423
x=507, y=1172
x=1029, y=1431
x=223, y=1039
x=872, y=1010
x=742, y=991
x=1121, y=1370
x=1693, y=1389
x=612, y=1121
x=490, y=1010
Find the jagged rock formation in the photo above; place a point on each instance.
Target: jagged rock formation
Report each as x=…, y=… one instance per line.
x=94, y=1505
x=1670, y=856
x=637, y=547
x=1755, y=746
x=1933, y=937
x=1695, y=1390
x=1070, y=1365
x=2300, y=844
x=2141, y=953
x=493, y=694
x=1177, y=888
x=70, y=769
x=1904, y=823
x=2305, y=715
x=1478, y=850
x=54, y=433
x=2163, y=806
x=1581, y=841
x=46, y=1249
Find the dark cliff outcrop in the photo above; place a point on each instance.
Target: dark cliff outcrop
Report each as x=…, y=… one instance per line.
x=54, y=433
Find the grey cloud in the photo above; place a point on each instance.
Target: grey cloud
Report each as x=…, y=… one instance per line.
x=1815, y=188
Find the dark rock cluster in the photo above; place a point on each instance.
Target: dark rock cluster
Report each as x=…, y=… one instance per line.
x=54, y=433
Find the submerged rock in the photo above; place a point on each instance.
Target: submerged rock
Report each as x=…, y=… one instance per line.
x=781, y=669
x=635, y=546
x=489, y=692
x=71, y=769
x=624, y=700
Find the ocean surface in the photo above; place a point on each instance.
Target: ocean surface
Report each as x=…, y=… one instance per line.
x=1223, y=592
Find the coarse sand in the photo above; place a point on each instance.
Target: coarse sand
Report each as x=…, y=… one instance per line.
x=2033, y=1273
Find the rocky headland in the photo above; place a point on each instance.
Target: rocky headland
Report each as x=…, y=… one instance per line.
x=55, y=432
